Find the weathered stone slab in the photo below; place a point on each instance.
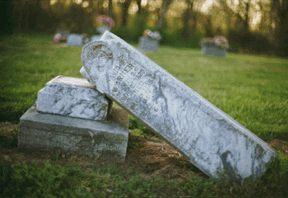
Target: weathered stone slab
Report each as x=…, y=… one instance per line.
x=73, y=97
x=208, y=137
x=213, y=51
x=148, y=44
x=49, y=132
x=75, y=40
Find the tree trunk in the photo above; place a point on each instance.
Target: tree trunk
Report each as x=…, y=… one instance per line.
x=246, y=19
x=187, y=14
x=126, y=5
x=163, y=11
x=110, y=8
x=281, y=8
x=139, y=6
x=208, y=27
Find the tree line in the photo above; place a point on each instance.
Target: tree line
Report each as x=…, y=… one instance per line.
x=253, y=26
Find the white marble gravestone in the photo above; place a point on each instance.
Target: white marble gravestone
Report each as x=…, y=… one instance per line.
x=208, y=137
x=74, y=97
x=75, y=40
x=148, y=44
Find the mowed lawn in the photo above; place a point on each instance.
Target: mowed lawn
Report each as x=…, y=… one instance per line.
x=251, y=89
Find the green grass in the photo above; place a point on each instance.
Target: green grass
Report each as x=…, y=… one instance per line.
x=251, y=89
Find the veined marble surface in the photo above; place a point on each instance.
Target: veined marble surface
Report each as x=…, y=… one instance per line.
x=74, y=97
x=208, y=137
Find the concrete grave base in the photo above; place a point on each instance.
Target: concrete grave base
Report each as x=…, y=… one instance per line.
x=49, y=132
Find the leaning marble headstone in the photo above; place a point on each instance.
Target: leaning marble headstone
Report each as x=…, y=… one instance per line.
x=148, y=44
x=208, y=137
x=74, y=97
x=75, y=40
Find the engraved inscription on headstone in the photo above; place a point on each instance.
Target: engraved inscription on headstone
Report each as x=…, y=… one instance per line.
x=208, y=137
x=73, y=97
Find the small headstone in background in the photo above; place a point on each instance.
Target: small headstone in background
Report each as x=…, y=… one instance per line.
x=74, y=97
x=213, y=51
x=215, y=46
x=148, y=44
x=103, y=28
x=209, y=138
x=96, y=37
x=64, y=33
x=75, y=40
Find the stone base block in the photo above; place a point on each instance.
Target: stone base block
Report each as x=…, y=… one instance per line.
x=213, y=51
x=49, y=132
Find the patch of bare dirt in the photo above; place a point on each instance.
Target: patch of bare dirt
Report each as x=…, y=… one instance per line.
x=152, y=157
x=8, y=126
x=280, y=145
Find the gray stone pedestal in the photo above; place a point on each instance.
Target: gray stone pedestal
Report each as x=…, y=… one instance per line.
x=213, y=51
x=49, y=132
x=148, y=44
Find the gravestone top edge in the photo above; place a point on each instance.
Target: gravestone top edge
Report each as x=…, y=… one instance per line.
x=66, y=80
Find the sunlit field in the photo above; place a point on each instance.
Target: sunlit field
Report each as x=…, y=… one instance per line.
x=253, y=90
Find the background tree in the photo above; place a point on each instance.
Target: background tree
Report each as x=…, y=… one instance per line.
x=6, y=12
x=164, y=8
x=125, y=7
x=281, y=9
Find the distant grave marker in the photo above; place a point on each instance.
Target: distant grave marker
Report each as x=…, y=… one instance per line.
x=216, y=46
x=96, y=37
x=208, y=137
x=75, y=40
x=150, y=41
x=213, y=51
x=148, y=44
